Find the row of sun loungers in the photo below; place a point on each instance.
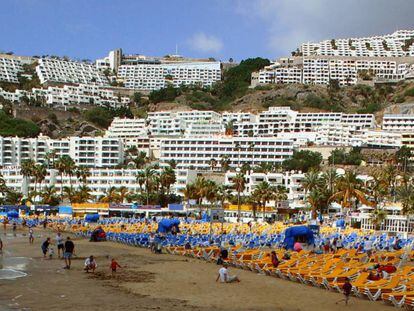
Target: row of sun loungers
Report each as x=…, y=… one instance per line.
x=328, y=271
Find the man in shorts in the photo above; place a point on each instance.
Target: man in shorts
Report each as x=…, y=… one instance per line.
x=69, y=249
x=224, y=276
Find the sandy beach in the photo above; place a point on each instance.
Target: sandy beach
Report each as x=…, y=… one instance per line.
x=146, y=282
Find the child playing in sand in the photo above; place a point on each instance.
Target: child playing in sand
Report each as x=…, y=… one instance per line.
x=114, y=265
x=346, y=289
x=51, y=252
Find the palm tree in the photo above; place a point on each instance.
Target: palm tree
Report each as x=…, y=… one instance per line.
x=377, y=217
x=189, y=193
x=39, y=173
x=314, y=198
x=146, y=177
x=245, y=168
x=83, y=194
x=263, y=193
x=251, y=150
x=263, y=167
x=49, y=196
x=111, y=195
x=200, y=187
x=3, y=186
x=82, y=173
x=377, y=186
x=13, y=197
x=70, y=194
x=312, y=180
x=349, y=188
x=280, y=194
x=225, y=163
x=237, y=148
x=123, y=194
x=210, y=193
x=223, y=194
x=213, y=164
x=329, y=180
x=27, y=170
x=239, y=184
x=405, y=194
x=65, y=165
x=390, y=173
x=70, y=169
x=229, y=128
x=167, y=179
x=140, y=160
x=50, y=158
x=172, y=163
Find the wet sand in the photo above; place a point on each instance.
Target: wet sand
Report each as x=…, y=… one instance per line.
x=149, y=282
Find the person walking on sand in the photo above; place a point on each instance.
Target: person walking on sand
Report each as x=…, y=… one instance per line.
x=59, y=243
x=5, y=222
x=1, y=247
x=69, y=250
x=114, y=265
x=31, y=235
x=224, y=277
x=346, y=289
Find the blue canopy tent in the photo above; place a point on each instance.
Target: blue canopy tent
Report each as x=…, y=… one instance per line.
x=65, y=210
x=340, y=223
x=165, y=225
x=92, y=217
x=292, y=234
x=13, y=214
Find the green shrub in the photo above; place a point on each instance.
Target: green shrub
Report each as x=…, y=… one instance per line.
x=10, y=126
x=409, y=92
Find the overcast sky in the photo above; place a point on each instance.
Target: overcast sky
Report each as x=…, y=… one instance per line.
x=200, y=28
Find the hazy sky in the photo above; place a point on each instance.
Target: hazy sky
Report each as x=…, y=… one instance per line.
x=201, y=28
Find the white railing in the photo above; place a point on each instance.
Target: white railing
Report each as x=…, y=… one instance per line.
x=392, y=223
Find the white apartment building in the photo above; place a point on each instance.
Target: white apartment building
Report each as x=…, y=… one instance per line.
x=397, y=44
x=153, y=73
x=284, y=120
x=133, y=132
x=164, y=123
x=240, y=117
x=381, y=139
x=346, y=70
x=85, y=151
x=291, y=181
x=16, y=96
x=99, y=181
x=398, y=122
x=66, y=71
x=9, y=69
x=331, y=134
x=204, y=129
x=188, y=116
x=407, y=139
x=158, y=76
x=198, y=152
x=127, y=128
x=68, y=95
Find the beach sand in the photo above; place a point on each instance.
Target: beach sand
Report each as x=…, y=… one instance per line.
x=149, y=282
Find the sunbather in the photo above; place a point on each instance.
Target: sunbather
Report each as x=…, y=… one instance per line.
x=224, y=276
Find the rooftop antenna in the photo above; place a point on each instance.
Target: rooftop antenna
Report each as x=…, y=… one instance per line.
x=176, y=49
